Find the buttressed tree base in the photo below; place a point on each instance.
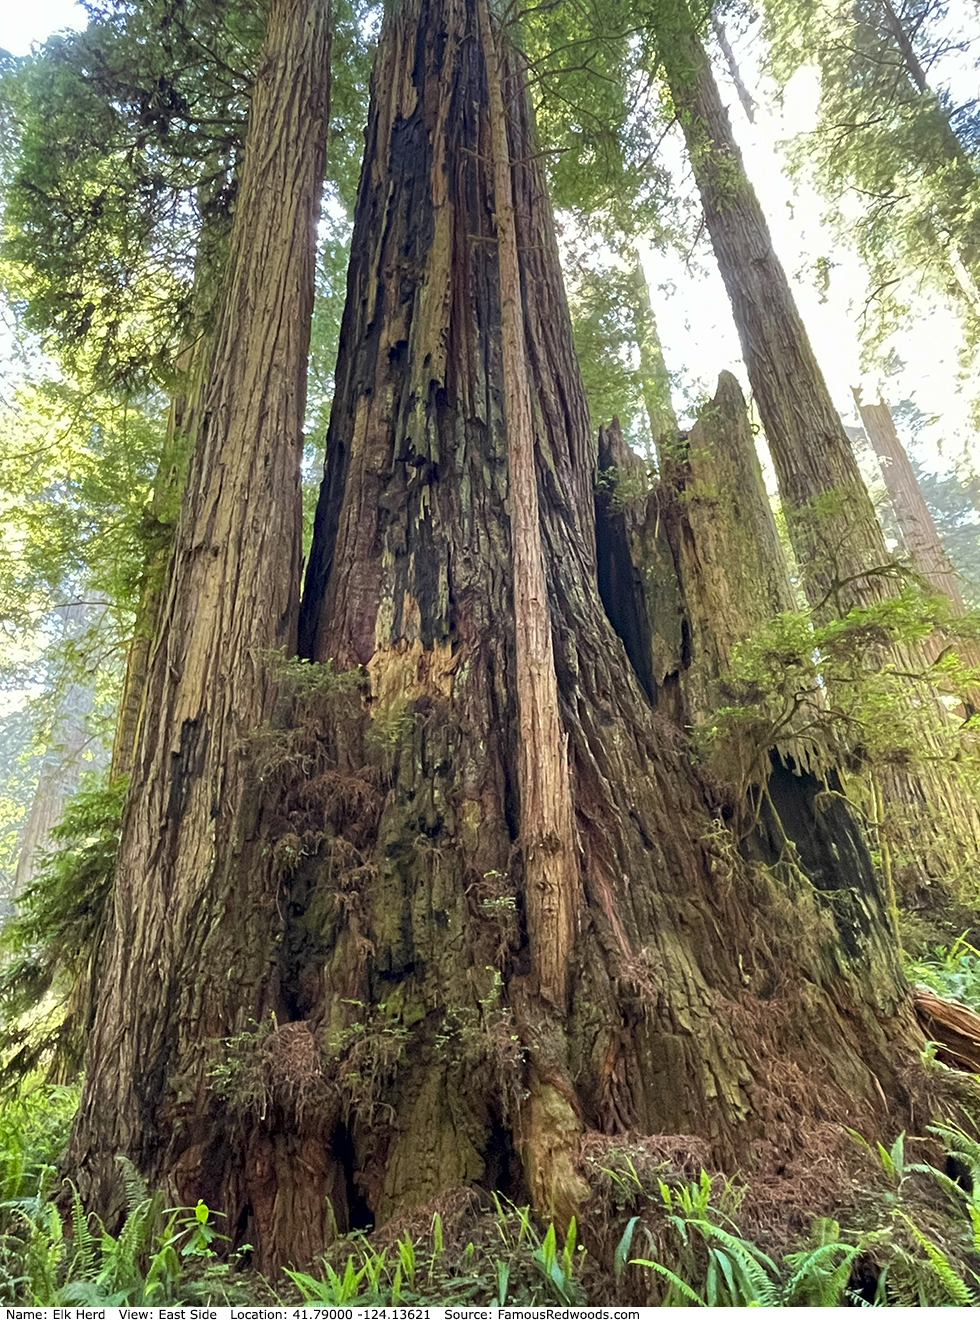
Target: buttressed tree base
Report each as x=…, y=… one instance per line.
x=396, y=1027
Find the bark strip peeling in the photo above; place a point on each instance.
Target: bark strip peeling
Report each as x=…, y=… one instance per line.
x=547, y=830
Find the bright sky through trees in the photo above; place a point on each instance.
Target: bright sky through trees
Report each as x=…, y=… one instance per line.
x=23, y=24
x=689, y=300
x=829, y=281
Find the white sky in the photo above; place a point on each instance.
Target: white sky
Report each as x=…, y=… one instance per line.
x=25, y=21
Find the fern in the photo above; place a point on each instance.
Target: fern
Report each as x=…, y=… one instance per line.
x=753, y=1281
x=815, y=1279
x=955, y=1288
x=133, y=1183
x=83, y=1241
x=676, y=1283
x=621, y=1255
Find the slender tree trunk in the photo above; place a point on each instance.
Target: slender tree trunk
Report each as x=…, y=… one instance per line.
x=748, y=105
x=909, y=58
x=160, y=516
x=919, y=532
x=832, y=522
x=654, y=377
x=961, y=258
x=414, y=900
x=195, y=925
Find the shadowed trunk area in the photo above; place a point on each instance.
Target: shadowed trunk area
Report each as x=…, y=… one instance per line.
x=686, y=574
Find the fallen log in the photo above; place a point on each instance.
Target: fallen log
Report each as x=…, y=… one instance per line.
x=954, y=1027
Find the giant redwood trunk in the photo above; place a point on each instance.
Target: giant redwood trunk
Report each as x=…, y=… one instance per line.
x=194, y=911
x=706, y=995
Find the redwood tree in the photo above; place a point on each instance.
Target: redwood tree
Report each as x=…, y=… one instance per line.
x=915, y=522
x=338, y=885
x=831, y=519
x=420, y=939
x=193, y=930
x=839, y=545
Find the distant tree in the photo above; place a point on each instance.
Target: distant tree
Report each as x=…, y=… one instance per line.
x=951, y=505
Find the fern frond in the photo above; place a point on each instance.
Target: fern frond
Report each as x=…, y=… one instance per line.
x=953, y=1284
x=755, y=1265
x=133, y=1183
x=817, y=1278
x=681, y=1286
x=83, y=1241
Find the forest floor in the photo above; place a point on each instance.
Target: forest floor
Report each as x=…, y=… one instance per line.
x=864, y=1223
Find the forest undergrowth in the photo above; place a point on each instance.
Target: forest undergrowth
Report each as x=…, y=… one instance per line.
x=849, y=1222
x=889, y=1226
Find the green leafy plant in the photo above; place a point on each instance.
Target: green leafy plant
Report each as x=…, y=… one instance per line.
x=508, y=1262
x=952, y=972
x=730, y=1271
x=51, y=945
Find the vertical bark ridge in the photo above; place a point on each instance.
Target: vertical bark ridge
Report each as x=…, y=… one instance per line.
x=164, y=498
x=547, y=832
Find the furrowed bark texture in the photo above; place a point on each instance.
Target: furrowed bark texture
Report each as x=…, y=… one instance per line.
x=838, y=540
x=160, y=515
x=159, y=529
x=691, y=572
x=195, y=922
x=547, y=828
x=706, y=996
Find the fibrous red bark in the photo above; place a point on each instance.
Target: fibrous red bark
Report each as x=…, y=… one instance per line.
x=194, y=929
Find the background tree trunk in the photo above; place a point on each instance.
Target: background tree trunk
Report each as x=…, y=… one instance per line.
x=831, y=519
x=654, y=377
x=838, y=543
x=62, y=764
x=915, y=522
x=411, y=902
x=195, y=925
